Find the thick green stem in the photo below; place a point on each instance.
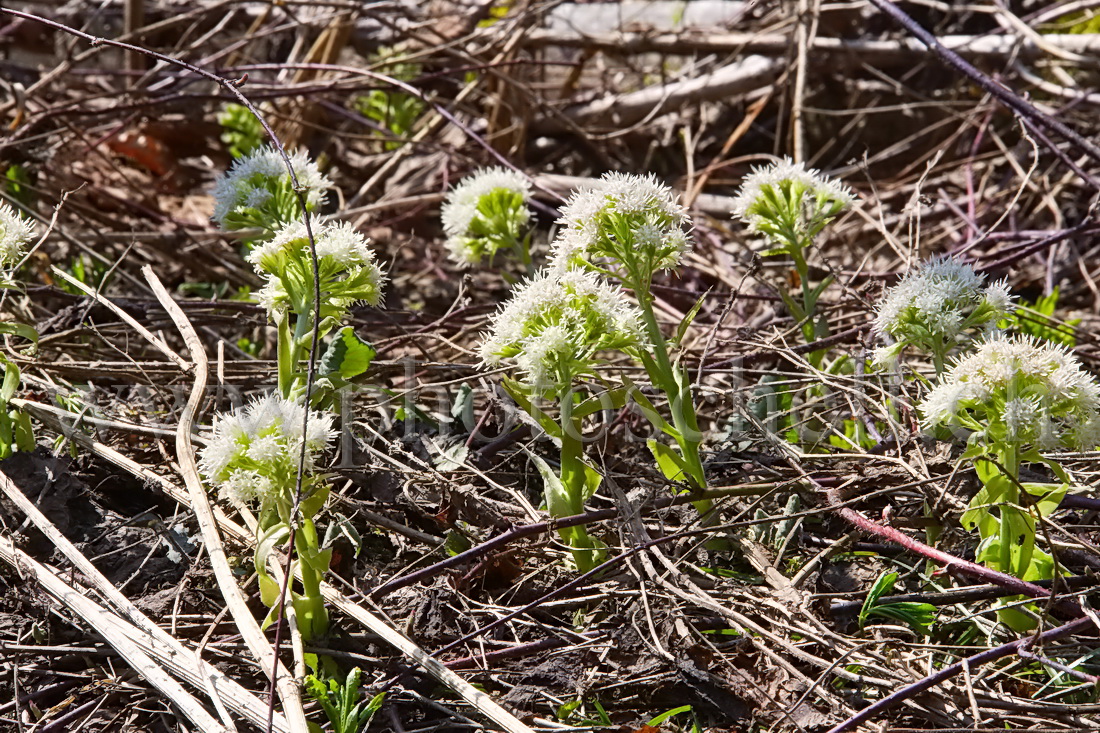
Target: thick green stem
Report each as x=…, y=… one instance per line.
x=574, y=478
x=309, y=605
x=939, y=358
x=521, y=246
x=681, y=406
x=809, y=303
x=287, y=356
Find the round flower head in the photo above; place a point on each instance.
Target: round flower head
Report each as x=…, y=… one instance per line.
x=556, y=323
x=624, y=224
x=1020, y=391
x=257, y=191
x=789, y=203
x=15, y=233
x=936, y=304
x=346, y=266
x=485, y=213
x=254, y=451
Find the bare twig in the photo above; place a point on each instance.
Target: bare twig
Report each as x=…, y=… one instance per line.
x=975, y=660
x=289, y=692
x=1006, y=96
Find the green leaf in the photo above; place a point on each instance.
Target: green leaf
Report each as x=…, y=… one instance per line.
x=883, y=585
x=919, y=616
x=669, y=461
x=24, y=432
x=266, y=542
x=7, y=328
x=522, y=395
x=613, y=399
x=315, y=501
x=10, y=383
x=347, y=355
x=997, y=491
x=341, y=526
x=1017, y=540
x=797, y=312
x=647, y=408
x=462, y=409
x=687, y=320
x=605, y=719
x=820, y=288
x=566, y=710
x=455, y=542
x=1048, y=496
x=656, y=721
x=241, y=131
x=592, y=481
x=558, y=502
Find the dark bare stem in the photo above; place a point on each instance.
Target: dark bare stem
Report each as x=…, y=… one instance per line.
x=1025, y=652
x=519, y=650
x=1006, y=96
x=951, y=596
x=577, y=582
x=989, y=655
x=756, y=357
x=950, y=562
x=1021, y=252
x=279, y=632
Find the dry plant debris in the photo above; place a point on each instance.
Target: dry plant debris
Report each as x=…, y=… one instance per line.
x=829, y=583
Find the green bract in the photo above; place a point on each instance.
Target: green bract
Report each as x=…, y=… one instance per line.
x=347, y=269
x=555, y=325
x=789, y=204
x=257, y=192
x=485, y=213
x=936, y=306
x=625, y=226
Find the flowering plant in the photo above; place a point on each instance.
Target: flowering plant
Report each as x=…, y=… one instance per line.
x=347, y=273
x=935, y=306
x=485, y=213
x=790, y=205
x=16, y=432
x=1018, y=396
x=15, y=233
x=253, y=457
x=552, y=332
x=258, y=192
x=624, y=226
x=313, y=273
x=629, y=227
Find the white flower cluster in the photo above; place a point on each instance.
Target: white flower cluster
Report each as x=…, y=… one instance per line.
x=1018, y=389
x=787, y=195
x=15, y=233
x=257, y=181
x=556, y=323
x=934, y=305
x=347, y=267
x=623, y=218
x=483, y=212
x=340, y=243
x=254, y=451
